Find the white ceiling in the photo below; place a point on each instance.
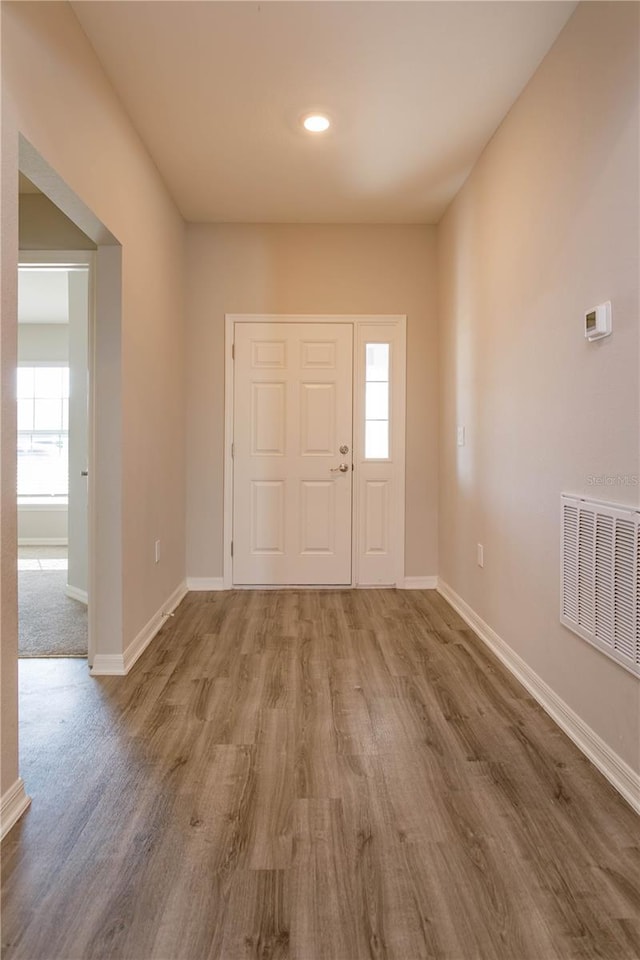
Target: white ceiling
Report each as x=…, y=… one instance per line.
x=415, y=90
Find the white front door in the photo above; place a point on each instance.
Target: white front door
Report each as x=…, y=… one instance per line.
x=292, y=458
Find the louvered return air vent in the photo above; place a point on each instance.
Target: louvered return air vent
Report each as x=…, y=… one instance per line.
x=600, y=567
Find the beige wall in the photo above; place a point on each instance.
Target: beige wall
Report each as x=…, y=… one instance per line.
x=43, y=227
x=545, y=228
x=313, y=270
x=42, y=525
x=56, y=95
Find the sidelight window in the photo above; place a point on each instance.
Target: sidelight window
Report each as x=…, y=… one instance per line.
x=376, y=436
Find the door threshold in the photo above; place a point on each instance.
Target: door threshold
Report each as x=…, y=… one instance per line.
x=293, y=586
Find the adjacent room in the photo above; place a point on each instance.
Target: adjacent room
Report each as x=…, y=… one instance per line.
x=320, y=461
x=52, y=459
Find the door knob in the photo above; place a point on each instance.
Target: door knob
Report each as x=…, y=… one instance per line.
x=342, y=468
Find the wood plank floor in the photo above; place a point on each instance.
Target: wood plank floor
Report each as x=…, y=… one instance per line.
x=311, y=775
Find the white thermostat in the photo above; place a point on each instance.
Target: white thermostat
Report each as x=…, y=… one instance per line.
x=597, y=322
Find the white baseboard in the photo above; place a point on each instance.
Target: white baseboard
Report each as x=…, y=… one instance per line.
x=119, y=665
x=42, y=542
x=108, y=665
x=418, y=583
x=359, y=586
x=619, y=774
x=12, y=805
x=205, y=583
x=77, y=594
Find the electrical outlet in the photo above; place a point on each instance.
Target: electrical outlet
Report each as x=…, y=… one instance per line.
x=460, y=436
x=157, y=551
x=480, y=555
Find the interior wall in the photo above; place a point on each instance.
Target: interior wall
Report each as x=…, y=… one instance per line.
x=40, y=342
x=56, y=95
x=106, y=165
x=42, y=525
x=42, y=226
x=545, y=228
x=307, y=269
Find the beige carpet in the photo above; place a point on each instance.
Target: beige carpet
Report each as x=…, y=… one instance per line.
x=50, y=623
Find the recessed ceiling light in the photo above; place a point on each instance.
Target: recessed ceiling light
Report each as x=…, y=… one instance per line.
x=316, y=123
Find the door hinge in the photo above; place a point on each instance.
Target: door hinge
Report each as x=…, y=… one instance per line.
x=233, y=446
x=232, y=548
x=233, y=351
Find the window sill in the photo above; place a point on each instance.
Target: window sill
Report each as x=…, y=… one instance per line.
x=43, y=503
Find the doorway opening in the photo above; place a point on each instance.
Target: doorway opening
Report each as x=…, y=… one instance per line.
x=54, y=219
x=53, y=389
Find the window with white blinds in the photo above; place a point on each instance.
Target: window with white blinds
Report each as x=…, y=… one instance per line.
x=43, y=432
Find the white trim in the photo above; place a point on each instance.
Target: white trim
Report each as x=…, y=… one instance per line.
x=75, y=593
x=119, y=665
x=205, y=583
x=93, y=501
x=418, y=583
x=356, y=321
x=12, y=805
x=42, y=542
x=108, y=665
x=314, y=318
x=36, y=169
x=227, y=520
x=619, y=774
x=624, y=508
x=43, y=506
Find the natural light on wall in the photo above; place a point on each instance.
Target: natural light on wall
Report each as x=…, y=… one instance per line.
x=376, y=436
x=43, y=432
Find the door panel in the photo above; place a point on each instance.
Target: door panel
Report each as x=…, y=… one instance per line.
x=268, y=426
x=292, y=413
x=317, y=503
x=267, y=517
x=318, y=354
x=376, y=512
x=268, y=355
x=317, y=419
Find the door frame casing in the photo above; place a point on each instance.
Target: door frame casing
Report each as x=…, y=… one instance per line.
x=356, y=321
